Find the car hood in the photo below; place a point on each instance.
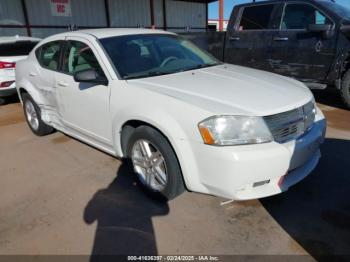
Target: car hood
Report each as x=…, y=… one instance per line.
x=230, y=89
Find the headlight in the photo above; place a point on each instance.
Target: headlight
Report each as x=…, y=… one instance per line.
x=234, y=130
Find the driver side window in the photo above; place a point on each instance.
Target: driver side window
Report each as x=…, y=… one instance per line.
x=78, y=57
x=299, y=16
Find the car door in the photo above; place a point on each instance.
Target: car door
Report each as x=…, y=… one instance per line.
x=83, y=107
x=299, y=53
x=248, y=43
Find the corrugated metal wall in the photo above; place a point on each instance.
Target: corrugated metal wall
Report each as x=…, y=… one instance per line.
x=11, y=13
x=180, y=16
x=186, y=15
x=131, y=13
x=158, y=13
x=84, y=13
x=13, y=31
x=45, y=32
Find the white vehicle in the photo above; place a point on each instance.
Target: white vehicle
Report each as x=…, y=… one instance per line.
x=12, y=49
x=184, y=119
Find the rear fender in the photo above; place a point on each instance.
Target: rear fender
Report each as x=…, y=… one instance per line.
x=25, y=85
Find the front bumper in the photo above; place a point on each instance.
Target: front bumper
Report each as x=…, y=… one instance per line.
x=254, y=171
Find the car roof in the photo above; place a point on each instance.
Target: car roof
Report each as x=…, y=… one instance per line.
x=14, y=39
x=111, y=32
x=279, y=1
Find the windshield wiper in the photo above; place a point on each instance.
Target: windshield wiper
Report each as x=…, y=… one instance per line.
x=149, y=74
x=160, y=73
x=202, y=66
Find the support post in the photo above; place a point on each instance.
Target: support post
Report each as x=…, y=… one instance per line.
x=221, y=15
x=164, y=16
x=26, y=19
x=206, y=17
x=108, y=19
x=151, y=6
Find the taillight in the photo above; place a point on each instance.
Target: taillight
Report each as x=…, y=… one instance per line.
x=6, y=84
x=4, y=65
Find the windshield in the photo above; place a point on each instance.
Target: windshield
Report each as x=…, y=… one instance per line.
x=138, y=56
x=340, y=10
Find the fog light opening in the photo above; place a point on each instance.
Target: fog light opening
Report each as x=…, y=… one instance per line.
x=261, y=183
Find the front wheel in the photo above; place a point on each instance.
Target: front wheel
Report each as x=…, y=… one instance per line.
x=33, y=117
x=345, y=89
x=155, y=163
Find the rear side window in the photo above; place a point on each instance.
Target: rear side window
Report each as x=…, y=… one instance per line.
x=299, y=16
x=49, y=55
x=256, y=17
x=19, y=48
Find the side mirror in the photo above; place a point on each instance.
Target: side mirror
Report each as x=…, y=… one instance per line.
x=90, y=76
x=326, y=30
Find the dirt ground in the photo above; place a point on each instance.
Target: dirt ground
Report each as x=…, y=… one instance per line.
x=60, y=196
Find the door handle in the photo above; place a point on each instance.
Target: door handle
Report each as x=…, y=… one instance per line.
x=32, y=74
x=234, y=38
x=63, y=84
x=280, y=38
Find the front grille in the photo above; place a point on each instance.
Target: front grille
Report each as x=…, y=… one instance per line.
x=291, y=125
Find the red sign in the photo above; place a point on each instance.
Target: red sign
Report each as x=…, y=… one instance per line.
x=60, y=8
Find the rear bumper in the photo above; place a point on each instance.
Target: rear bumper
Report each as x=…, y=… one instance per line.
x=8, y=91
x=8, y=76
x=254, y=171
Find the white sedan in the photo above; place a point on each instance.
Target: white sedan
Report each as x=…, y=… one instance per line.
x=12, y=49
x=182, y=118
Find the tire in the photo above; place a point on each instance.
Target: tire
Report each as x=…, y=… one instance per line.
x=2, y=101
x=33, y=116
x=158, y=171
x=345, y=89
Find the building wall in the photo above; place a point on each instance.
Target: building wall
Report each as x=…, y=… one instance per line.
x=185, y=16
x=131, y=13
x=84, y=13
x=180, y=16
x=11, y=13
x=158, y=13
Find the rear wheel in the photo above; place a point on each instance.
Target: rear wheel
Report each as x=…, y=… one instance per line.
x=33, y=117
x=155, y=163
x=345, y=89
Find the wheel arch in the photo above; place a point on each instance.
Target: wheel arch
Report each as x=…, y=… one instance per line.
x=21, y=91
x=346, y=63
x=129, y=127
x=168, y=127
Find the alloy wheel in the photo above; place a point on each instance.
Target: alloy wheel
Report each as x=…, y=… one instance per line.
x=31, y=114
x=149, y=164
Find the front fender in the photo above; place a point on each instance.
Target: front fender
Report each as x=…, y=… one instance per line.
x=161, y=120
x=176, y=132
